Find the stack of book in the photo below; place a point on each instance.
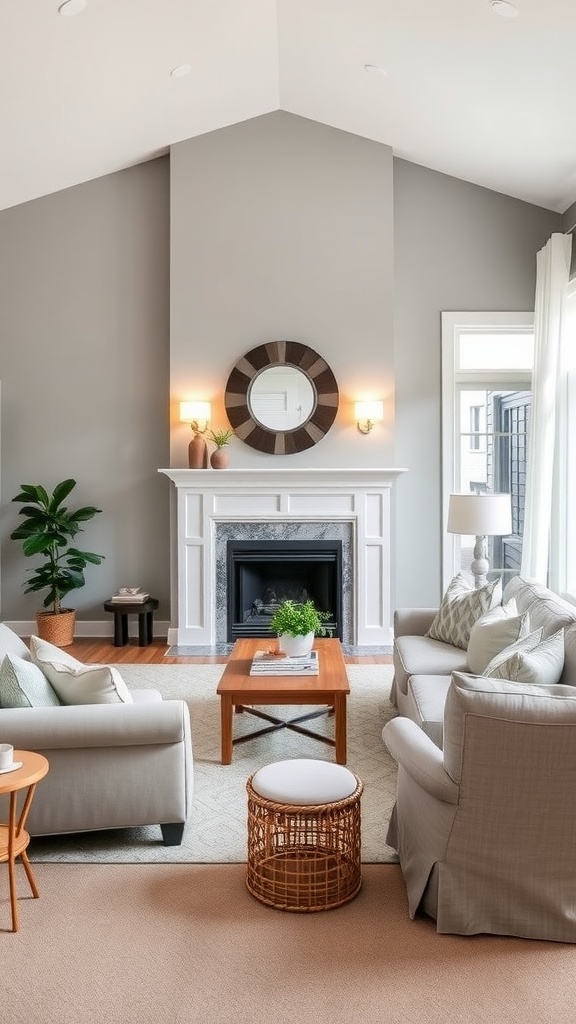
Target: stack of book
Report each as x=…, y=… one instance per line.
x=130, y=595
x=269, y=663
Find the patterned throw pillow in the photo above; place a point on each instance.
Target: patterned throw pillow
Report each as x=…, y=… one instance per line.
x=76, y=683
x=493, y=632
x=539, y=664
x=462, y=605
x=24, y=685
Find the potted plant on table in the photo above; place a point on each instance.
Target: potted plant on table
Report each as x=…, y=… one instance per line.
x=297, y=623
x=48, y=529
x=219, y=458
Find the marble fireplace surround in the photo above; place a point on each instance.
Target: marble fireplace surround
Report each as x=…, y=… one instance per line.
x=352, y=505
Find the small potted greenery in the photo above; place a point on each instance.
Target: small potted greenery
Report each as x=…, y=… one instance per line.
x=219, y=458
x=296, y=624
x=48, y=529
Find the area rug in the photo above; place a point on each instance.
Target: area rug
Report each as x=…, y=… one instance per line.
x=216, y=829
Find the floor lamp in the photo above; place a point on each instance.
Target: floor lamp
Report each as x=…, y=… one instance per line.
x=480, y=516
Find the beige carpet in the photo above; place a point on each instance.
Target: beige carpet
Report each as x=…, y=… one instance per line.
x=216, y=829
x=187, y=944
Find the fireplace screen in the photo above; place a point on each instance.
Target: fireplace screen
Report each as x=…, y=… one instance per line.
x=262, y=574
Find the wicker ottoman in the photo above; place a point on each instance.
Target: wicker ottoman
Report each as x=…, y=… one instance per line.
x=304, y=835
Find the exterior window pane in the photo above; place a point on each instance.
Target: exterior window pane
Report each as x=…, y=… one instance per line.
x=478, y=351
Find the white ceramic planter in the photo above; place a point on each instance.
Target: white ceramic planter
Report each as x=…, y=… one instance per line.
x=295, y=646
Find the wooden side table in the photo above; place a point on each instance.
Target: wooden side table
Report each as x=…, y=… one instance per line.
x=145, y=612
x=13, y=837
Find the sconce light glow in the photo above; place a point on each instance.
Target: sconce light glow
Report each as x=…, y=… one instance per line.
x=367, y=414
x=197, y=414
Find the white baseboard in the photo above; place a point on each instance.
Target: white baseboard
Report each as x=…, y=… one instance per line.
x=103, y=628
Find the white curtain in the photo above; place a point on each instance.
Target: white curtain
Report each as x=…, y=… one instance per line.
x=548, y=389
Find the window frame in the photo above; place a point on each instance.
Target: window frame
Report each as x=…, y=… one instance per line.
x=453, y=379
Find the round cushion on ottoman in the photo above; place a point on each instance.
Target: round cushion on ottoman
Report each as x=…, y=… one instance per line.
x=304, y=835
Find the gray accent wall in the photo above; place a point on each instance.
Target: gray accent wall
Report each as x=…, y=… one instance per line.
x=124, y=295
x=84, y=366
x=282, y=229
x=457, y=247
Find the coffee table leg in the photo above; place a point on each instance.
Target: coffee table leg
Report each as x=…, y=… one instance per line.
x=226, y=728
x=340, y=728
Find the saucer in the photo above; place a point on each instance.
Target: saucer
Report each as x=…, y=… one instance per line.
x=12, y=767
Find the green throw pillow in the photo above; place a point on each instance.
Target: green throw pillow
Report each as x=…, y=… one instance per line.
x=24, y=685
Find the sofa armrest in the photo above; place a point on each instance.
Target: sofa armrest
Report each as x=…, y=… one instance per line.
x=94, y=725
x=415, y=752
x=413, y=621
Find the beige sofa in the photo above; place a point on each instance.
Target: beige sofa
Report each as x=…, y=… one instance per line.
x=423, y=666
x=111, y=765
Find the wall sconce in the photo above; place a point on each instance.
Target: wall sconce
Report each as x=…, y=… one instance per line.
x=197, y=414
x=367, y=414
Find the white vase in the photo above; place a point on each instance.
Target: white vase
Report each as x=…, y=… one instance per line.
x=295, y=646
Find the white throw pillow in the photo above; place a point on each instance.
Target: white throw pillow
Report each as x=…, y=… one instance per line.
x=540, y=665
x=76, y=683
x=24, y=685
x=493, y=632
x=461, y=606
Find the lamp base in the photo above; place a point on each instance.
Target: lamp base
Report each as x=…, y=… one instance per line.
x=480, y=564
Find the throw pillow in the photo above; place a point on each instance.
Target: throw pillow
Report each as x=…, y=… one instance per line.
x=540, y=665
x=493, y=632
x=76, y=683
x=24, y=685
x=461, y=606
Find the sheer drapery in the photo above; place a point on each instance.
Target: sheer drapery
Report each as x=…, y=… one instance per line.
x=548, y=391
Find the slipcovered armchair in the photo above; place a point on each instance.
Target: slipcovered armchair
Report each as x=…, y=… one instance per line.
x=486, y=829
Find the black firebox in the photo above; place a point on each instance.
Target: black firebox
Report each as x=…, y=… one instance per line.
x=262, y=574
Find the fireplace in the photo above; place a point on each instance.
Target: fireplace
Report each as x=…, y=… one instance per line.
x=262, y=574
x=352, y=506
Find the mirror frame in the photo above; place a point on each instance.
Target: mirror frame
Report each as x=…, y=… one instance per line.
x=281, y=442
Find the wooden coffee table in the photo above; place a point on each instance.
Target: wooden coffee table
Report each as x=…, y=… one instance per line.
x=241, y=691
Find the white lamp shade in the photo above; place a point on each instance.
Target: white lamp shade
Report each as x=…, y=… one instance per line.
x=193, y=412
x=373, y=411
x=480, y=515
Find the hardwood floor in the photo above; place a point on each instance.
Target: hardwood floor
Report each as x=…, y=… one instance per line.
x=99, y=651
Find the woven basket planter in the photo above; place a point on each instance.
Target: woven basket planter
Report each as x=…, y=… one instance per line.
x=57, y=629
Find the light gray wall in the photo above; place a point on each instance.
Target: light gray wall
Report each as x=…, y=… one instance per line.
x=282, y=228
x=457, y=247
x=84, y=366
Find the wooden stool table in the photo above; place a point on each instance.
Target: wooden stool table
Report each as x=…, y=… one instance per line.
x=13, y=836
x=143, y=609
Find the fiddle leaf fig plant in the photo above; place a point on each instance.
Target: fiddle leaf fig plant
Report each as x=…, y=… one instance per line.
x=294, y=618
x=48, y=529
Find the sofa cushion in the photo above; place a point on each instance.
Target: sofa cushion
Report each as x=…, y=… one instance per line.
x=425, y=706
x=461, y=606
x=76, y=683
x=420, y=655
x=493, y=632
x=540, y=664
x=24, y=685
x=11, y=643
x=547, y=609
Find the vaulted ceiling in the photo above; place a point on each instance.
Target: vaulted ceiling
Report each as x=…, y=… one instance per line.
x=454, y=85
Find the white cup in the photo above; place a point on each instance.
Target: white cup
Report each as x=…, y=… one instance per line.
x=6, y=755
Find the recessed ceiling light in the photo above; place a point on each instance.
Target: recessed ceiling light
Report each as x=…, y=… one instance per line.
x=181, y=71
x=504, y=8
x=374, y=69
x=70, y=7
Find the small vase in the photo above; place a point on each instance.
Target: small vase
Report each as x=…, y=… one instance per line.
x=219, y=459
x=296, y=646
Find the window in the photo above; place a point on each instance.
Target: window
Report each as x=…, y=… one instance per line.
x=486, y=398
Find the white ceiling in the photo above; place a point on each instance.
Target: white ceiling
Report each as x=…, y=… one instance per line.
x=467, y=92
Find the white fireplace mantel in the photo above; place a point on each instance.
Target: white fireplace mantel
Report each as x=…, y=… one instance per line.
x=206, y=497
